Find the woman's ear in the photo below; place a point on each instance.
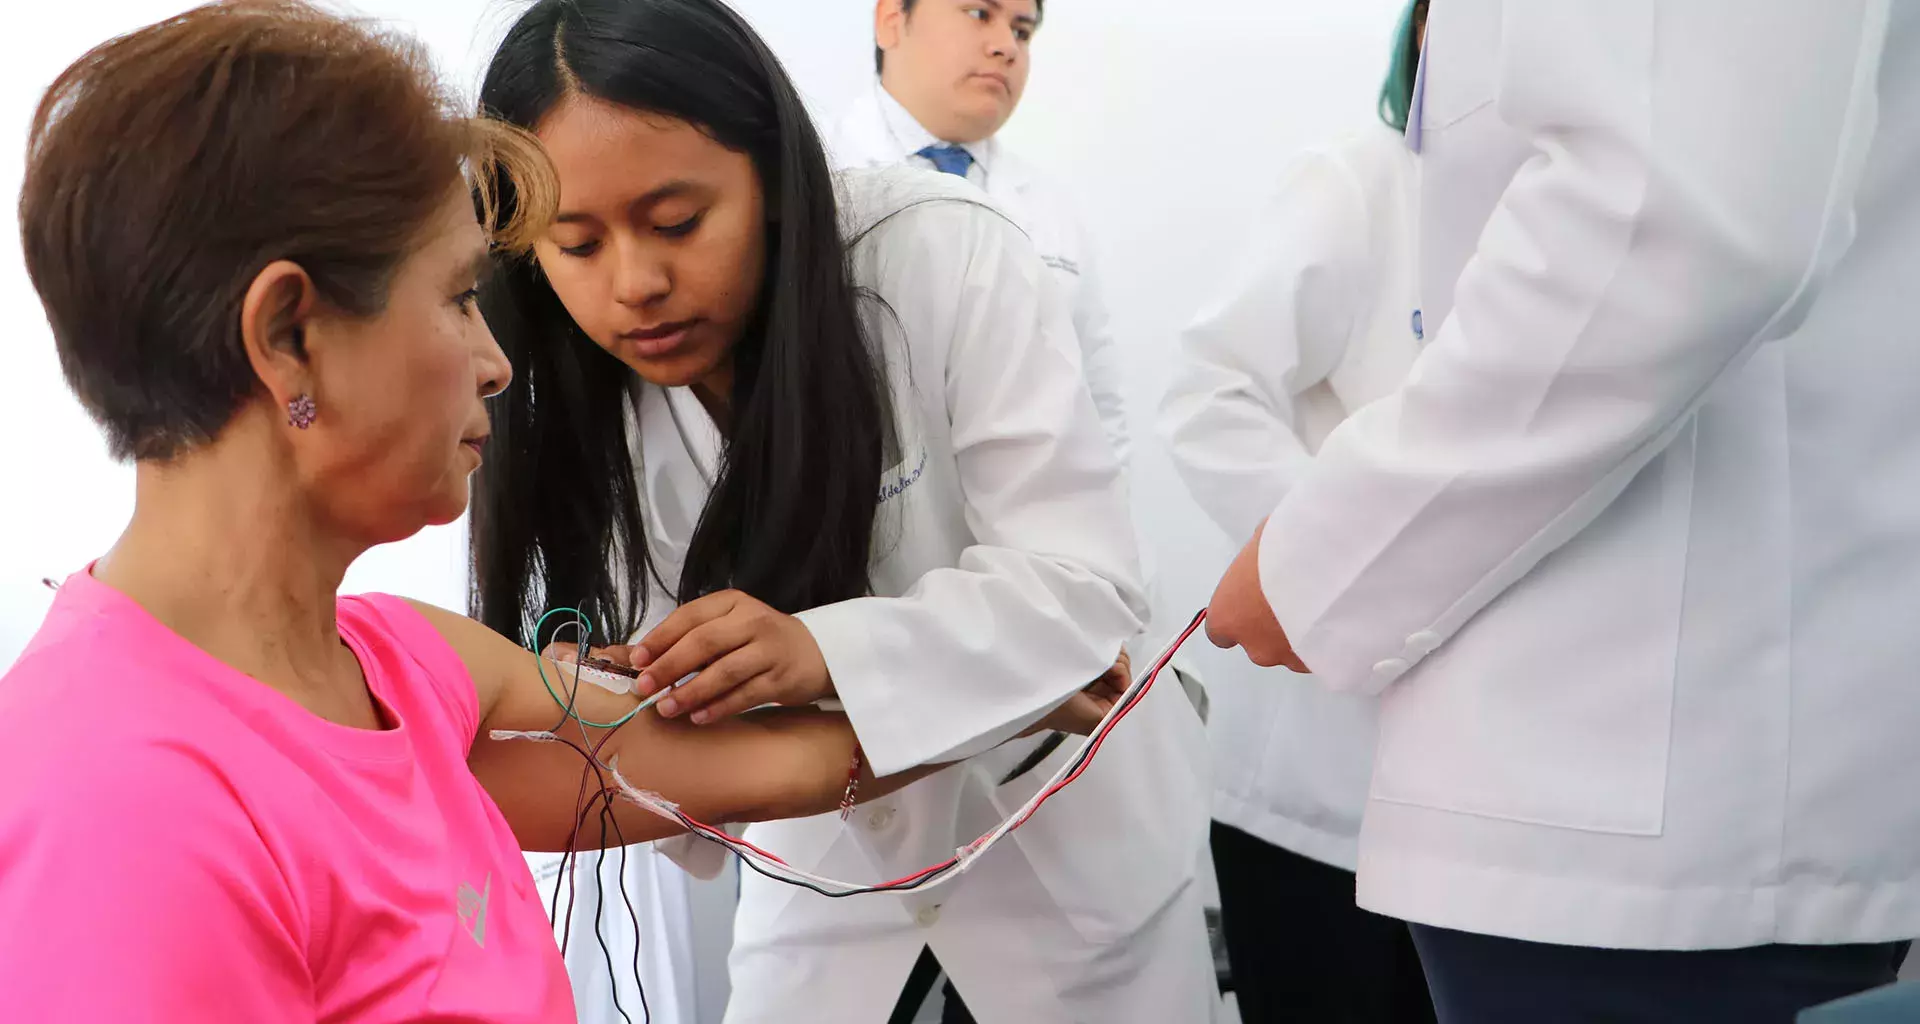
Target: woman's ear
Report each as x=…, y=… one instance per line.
x=274, y=317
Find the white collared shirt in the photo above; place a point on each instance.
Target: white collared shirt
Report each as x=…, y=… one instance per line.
x=911, y=137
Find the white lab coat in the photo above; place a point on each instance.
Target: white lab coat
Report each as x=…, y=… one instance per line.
x=592, y=920
x=1315, y=318
x=1635, y=552
x=876, y=131
x=1005, y=578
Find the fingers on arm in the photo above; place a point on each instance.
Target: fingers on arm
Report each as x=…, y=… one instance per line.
x=695, y=649
x=684, y=620
x=715, y=692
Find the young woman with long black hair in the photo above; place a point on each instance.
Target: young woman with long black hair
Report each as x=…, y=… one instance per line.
x=811, y=439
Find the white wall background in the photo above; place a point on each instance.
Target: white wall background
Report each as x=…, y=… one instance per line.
x=62, y=502
x=1169, y=120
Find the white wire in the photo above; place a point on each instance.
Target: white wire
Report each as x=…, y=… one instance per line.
x=964, y=857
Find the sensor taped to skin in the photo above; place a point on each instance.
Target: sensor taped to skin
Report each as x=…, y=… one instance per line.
x=619, y=679
x=609, y=676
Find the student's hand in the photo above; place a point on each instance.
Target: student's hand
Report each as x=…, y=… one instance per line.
x=1117, y=678
x=1084, y=710
x=746, y=654
x=1240, y=616
x=1079, y=715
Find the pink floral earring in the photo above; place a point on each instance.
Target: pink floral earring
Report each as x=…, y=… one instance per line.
x=301, y=411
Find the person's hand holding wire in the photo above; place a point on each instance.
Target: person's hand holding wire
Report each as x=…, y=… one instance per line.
x=1085, y=709
x=741, y=653
x=1241, y=617
x=1080, y=715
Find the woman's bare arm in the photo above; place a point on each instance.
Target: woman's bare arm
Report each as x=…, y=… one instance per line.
x=781, y=763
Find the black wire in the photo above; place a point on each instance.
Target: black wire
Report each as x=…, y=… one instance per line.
x=570, y=855
x=1079, y=761
x=633, y=915
x=1039, y=754
x=606, y=794
x=944, y=870
x=805, y=884
x=565, y=875
x=569, y=861
x=599, y=903
x=566, y=857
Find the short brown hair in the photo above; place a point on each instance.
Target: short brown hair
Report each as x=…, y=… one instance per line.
x=167, y=167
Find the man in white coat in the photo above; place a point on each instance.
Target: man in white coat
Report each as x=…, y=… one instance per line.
x=950, y=74
x=1633, y=556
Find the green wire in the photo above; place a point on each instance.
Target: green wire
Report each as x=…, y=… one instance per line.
x=541, y=663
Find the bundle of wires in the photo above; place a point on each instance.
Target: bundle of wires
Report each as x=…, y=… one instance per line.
x=599, y=802
x=775, y=868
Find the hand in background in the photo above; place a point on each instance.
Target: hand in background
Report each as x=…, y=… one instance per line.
x=1240, y=616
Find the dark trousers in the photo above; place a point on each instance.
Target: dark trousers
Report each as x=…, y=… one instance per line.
x=1479, y=979
x=1299, y=948
x=919, y=986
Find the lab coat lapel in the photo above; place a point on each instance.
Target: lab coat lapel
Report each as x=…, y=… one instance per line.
x=860, y=137
x=679, y=457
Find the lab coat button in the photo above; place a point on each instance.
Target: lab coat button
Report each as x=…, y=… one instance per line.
x=880, y=819
x=1423, y=643
x=928, y=916
x=1389, y=670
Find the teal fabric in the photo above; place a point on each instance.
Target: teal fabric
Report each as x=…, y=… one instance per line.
x=1895, y=1003
x=1396, y=95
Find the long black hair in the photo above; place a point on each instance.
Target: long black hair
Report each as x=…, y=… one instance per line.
x=557, y=509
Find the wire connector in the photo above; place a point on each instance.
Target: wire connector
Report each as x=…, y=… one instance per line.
x=535, y=735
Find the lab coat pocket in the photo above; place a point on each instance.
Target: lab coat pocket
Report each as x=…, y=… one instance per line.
x=1554, y=705
x=1116, y=845
x=1460, y=72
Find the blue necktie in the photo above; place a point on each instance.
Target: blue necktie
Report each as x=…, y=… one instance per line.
x=949, y=159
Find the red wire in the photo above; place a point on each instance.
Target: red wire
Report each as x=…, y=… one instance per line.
x=1152, y=677
x=726, y=839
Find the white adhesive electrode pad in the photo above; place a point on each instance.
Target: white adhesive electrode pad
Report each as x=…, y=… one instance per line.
x=608, y=681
